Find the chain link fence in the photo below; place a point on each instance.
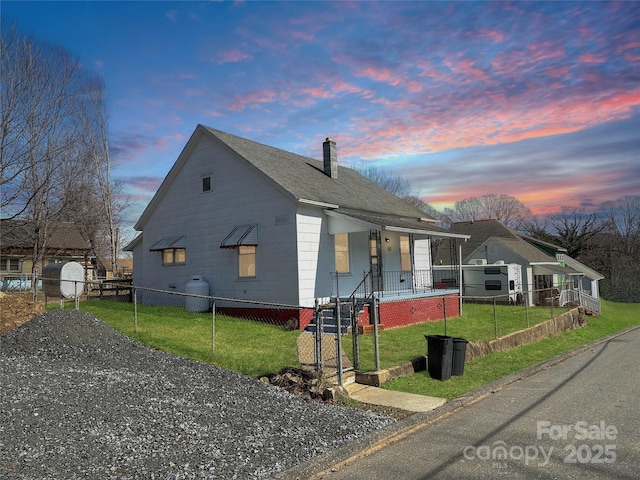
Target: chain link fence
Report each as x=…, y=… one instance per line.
x=259, y=338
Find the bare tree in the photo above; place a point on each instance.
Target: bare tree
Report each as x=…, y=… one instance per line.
x=504, y=208
x=573, y=228
x=621, y=218
x=398, y=185
x=616, y=249
x=97, y=152
x=46, y=164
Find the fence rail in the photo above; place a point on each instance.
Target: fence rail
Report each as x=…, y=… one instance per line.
x=269, y=336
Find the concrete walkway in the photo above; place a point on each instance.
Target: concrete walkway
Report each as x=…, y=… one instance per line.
x=389, y=398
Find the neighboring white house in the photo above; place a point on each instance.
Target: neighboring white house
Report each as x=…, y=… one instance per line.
x=544, y=266
x=260, y=223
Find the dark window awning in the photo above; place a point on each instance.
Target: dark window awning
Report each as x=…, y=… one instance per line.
x=244, y=235
x=169, y=242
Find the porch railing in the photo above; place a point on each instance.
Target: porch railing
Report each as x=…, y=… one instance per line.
x=570, y=296
x=402, y=283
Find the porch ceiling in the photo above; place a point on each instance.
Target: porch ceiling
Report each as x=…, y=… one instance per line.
x=353, y=220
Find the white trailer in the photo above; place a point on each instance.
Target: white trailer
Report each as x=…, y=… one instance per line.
x=480, y=279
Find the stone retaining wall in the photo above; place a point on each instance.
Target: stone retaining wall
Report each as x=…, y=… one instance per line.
x=567, y=321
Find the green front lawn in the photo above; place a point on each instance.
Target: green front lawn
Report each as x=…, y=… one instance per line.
x=251, y=348
x=257, y=349
x=479, y=372
x=477, y=322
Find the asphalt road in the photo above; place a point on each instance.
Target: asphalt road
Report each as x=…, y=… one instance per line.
x=577, y=418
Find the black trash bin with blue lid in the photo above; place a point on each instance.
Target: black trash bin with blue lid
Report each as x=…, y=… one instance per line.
x=459, y=355
x=439, y=356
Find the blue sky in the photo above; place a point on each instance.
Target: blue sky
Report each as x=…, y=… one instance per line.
x=536, y=100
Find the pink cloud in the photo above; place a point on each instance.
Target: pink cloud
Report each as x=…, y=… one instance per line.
x=306, y=36
x=253, y=98
x=494, y=35
x=145, y=184
x=468, y=69
x=379, y=74
x=590, y=57
x=232, y=56
x=557, y=71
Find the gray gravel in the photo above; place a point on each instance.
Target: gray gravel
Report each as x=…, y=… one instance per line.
x=80, y=400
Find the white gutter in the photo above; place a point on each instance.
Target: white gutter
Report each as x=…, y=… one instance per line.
x=316, y=203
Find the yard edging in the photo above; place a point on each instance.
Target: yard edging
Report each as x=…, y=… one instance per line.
x=570, y=320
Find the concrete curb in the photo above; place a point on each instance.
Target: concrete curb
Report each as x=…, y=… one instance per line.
x=315, y=467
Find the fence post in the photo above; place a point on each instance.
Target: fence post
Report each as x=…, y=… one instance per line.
x=338, y=340
x=355, y=334
x=135, y=308
x=318, y=337
x=495, y=319
x=376, y=344
x=213, y=327
x=444, y=313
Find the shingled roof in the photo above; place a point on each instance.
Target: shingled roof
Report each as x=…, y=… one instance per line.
x=303, y=179
x=20, y=235
x=480, y=231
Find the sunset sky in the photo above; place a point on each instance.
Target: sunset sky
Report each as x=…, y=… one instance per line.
x=540, y=101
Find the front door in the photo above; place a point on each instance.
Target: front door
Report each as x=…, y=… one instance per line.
x=375, y=260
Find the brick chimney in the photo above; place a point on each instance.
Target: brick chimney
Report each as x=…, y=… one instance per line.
x=330, y=157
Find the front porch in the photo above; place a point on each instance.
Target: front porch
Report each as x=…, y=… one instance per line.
x=403, y=298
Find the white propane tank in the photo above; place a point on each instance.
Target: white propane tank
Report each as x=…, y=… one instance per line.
x=197, y=286
x=63, y=280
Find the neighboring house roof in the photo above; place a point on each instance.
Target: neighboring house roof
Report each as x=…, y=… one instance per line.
x=133, y=243
x=581, y=267
x=530, y=249
x=568, y=261
x=304, y=180
x=61, y=236
x=550, y=247
x=480, y=231
x=527, y=251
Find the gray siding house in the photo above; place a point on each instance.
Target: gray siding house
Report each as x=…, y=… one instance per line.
x=263, y=224
x=545, y=267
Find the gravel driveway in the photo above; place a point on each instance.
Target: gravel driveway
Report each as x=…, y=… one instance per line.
x=80, y=400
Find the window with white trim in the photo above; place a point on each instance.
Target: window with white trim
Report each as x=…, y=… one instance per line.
x=341, y=246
